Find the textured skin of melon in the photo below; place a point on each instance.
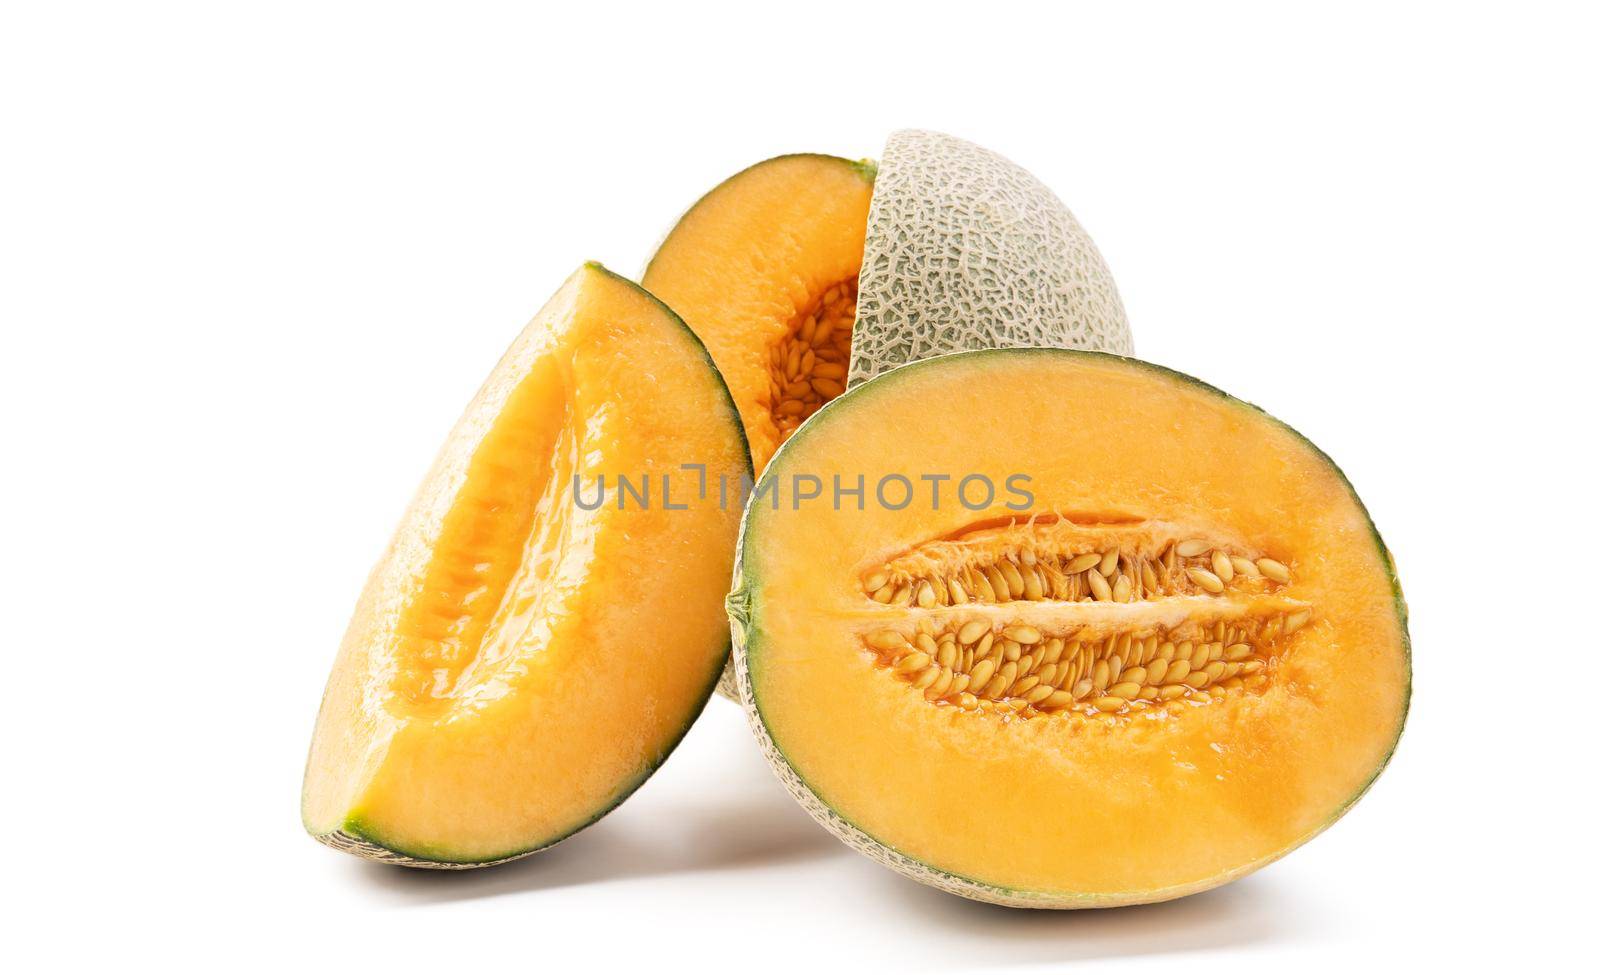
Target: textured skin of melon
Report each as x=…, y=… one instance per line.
x=346, y=843
x=967, y=250
x=863, y=843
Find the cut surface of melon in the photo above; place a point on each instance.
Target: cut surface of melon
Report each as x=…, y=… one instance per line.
x=1162, y=648
x=523, y=656
x=764, y=269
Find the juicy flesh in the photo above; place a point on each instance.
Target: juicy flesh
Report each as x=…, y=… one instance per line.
x=1108, y=797
x=497, y=546
x=491, y=695
x=749, y=266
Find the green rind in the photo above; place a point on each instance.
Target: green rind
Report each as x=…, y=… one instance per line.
x=358, y=838
x=361, y=839
x=746, y=627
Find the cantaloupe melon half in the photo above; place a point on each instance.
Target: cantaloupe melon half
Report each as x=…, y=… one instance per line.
x=1080, y=632
x=538, y=637
x=807, y=270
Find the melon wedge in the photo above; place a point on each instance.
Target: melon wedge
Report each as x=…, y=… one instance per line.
x=523, y=657
x=1134, y=647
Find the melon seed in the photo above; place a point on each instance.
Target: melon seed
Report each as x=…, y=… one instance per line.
x=1221, y=566
x=1099, y=586
x=1039, y=693
x=913, y=662
x=981, y=672
x=886, y=640
x=1276, y=571
x=1000, y=584
x=1013, y=577
x=1122, y=590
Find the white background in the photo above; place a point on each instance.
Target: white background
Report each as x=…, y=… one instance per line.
x=255, y=258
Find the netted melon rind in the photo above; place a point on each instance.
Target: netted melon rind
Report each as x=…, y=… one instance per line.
x=355, y=845
x=728, y=683
x=967, y=250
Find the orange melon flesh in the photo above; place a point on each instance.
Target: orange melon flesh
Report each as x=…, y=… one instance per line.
x=518, y=664
x=746, y=267
x=1064, y=804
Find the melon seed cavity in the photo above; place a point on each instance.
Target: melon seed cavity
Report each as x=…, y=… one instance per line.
x=807, y=367
x=1220, y=617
